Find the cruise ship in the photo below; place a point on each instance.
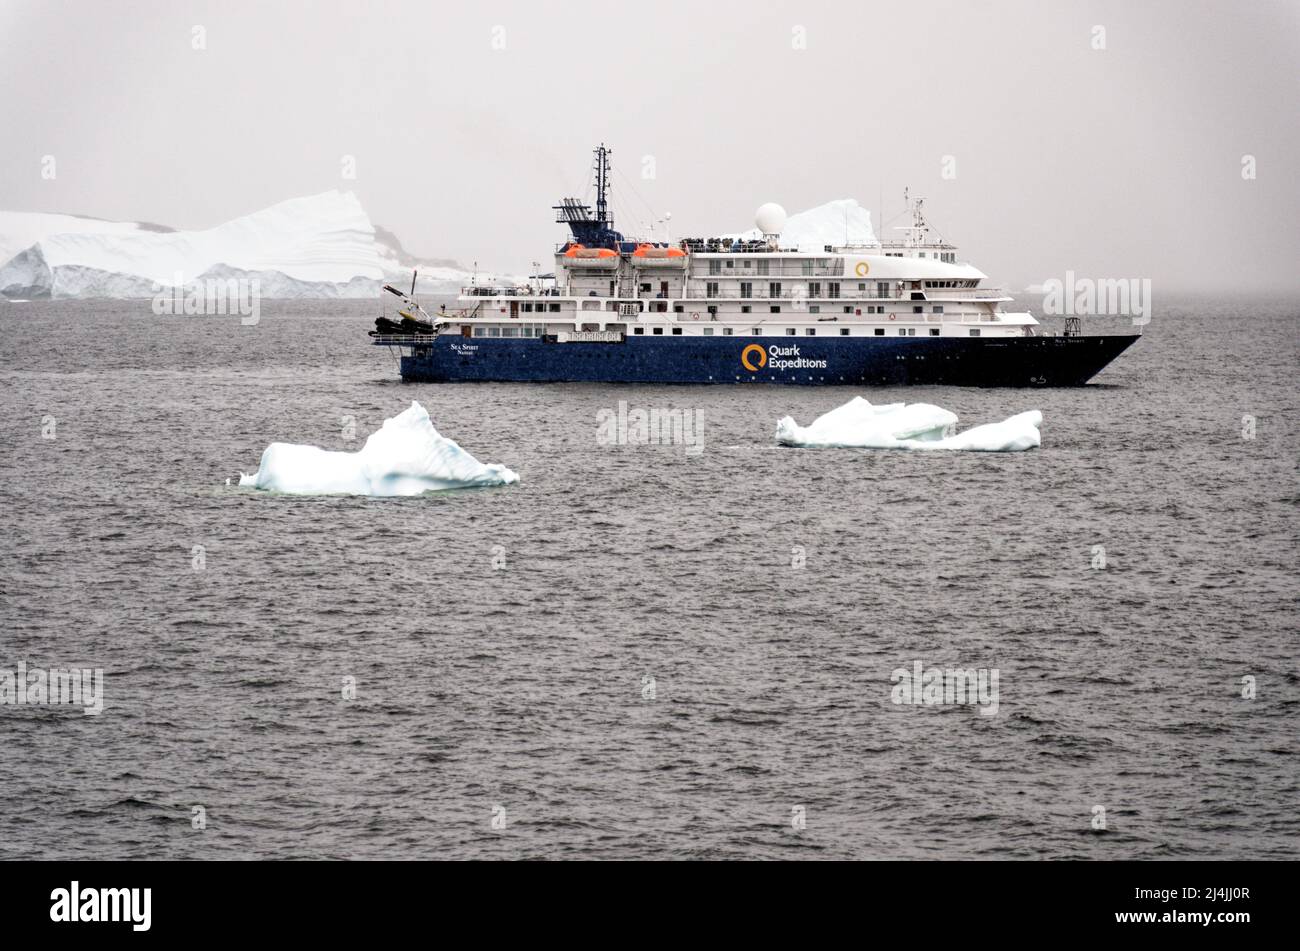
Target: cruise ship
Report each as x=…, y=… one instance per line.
x=740, y=310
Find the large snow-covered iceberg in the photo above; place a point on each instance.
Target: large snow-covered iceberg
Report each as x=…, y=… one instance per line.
x=859, y=425
x=320, y=246
x=839, y=222
x=324, y=242
x=406, y=456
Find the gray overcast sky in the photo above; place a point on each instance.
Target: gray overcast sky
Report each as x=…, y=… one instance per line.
x=1125, y=162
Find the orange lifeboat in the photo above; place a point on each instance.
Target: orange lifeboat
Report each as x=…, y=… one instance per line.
x=649, y=251
x=648, y=255
x=578, y=251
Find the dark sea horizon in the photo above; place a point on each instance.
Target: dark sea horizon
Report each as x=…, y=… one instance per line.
x=637, y=651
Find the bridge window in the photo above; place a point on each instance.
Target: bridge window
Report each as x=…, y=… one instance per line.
x=638, y=330
x=934, y=331
x=844, y=331
x=745, y=308
x=658, y=331
x=814, y=309
x=758, y=331
x=833, y=289
x=677, y=331
x=880, y=331
x=974, y=331
x=775, y=308
x=708, y=331
x=554, y=308
x=789, y=331
x=810, y=331
x=726, y=331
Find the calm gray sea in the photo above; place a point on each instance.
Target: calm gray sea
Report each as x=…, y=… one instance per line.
x=649, y=674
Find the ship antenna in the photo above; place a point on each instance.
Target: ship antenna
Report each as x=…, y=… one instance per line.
x=916, y=231
x=602, y=186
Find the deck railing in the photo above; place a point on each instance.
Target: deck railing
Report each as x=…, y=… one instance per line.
x=404, y=338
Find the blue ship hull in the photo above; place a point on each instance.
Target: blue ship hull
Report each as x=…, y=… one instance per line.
x=871, y=361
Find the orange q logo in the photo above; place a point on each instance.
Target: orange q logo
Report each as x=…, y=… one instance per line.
x=863, y=269
x=753, y=350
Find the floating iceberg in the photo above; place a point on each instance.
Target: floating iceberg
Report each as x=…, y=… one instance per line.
x=406, y=456
x=859, y=425
x=319, y=246
x=320, y=242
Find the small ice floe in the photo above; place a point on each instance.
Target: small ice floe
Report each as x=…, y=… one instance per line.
x=406, y=456
x=859, y=425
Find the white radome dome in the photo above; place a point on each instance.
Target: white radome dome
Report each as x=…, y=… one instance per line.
x=770, y=218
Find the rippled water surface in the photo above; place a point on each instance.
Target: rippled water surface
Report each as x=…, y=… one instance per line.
x=524, y=693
